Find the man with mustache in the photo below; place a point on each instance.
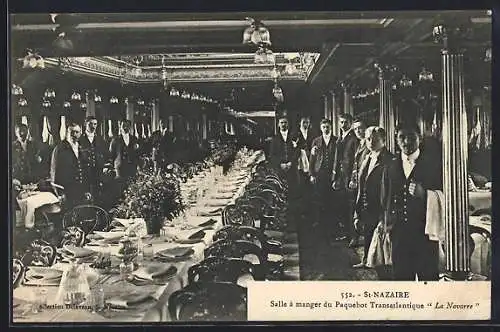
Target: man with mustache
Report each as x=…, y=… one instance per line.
x=371, y=196
x=344, y=160
x=413, y=173
x=359, y=128
x=68, y=168
x=95, y=152
x=321, y=169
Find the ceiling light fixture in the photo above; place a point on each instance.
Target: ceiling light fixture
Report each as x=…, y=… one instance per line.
x=33, y=60
x=256, y=34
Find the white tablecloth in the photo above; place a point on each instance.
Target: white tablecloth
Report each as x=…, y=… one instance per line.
x=159, y=310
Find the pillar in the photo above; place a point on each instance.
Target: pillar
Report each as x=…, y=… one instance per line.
x=129, y=111
x=326, y=109
x=455, y=152
x=170, y=123
x=155, y=115
x=348, y=104
x=386, y=106
x=334, y=111
x=90, y=101
x=204, y=127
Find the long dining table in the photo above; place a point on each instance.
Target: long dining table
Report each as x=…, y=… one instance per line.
x=217, y=191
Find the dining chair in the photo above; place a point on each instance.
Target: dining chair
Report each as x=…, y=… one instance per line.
x=209, y=301
x=87, y=217
x=222, y=269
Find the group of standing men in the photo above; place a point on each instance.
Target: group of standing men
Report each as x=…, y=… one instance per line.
x=351, y=184
x=78, y=161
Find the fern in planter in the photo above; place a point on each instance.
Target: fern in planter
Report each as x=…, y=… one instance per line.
x=154, y=197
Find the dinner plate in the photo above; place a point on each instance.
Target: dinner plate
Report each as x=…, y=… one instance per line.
x=110, y=235
x=128, y=300
x=77, y=252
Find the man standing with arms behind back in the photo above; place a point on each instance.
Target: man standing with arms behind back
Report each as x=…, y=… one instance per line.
x=359, y=128
x=284, y=157
x=346, y=147
x=321, y=169
x=412, y=174
x=371, y=196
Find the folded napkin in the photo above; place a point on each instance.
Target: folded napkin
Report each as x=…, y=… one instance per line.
x=190, y=238
x=209, y=213
x=209, y=222
x=154, y=270
x=125, y=301
x=177, y=252
x=77, y=252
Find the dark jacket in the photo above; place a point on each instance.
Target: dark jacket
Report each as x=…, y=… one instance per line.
x=25, y=167
x=323, y=159
x=359, y=156
x=304, y=143
x=373, y=189
x=125, y=158
x=283, y=151
x=96, y=154
x=69, y=171
x=408, y=212
x=344, y=157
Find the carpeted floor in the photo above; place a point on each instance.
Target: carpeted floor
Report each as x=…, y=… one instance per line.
x=322, y=260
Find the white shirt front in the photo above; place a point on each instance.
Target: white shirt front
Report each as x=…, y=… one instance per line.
x=74, y=147
x=373, y=161
x=284, y=134
x=304, y=133
x=409, y=162
x=344, y=133
x=24, y=145
x=126, y=139
x=327, y=138
x=90, y=136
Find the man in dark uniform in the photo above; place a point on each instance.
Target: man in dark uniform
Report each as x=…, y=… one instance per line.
x=284, y=157
x=26, y=158
x=412, y=174
x=124, y=151
x=321, y=169
x=346, y=146
x=68, y=168
x=95, y=151
x=304, y=140
x=359, y=128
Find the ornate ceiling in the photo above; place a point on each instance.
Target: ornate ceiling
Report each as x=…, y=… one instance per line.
x=204, y=51
x=190, y=67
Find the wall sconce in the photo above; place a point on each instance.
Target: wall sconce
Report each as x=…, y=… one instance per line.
x=33, y=60
x=22, y=102
x=67, y=104
x=174, y=92
x=97, y=98
x=185, y=95
x=17, y=90
x=405, y=82
x=83, y=105
x=46, y=104
x=140, y=102
x=49, y=93
x=113, y=100
x=76, y=96
x=425, y=76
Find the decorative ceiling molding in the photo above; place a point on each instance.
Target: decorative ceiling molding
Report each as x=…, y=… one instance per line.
x=102, y=67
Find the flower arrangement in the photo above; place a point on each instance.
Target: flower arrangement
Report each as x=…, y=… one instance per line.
x=152, y=196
